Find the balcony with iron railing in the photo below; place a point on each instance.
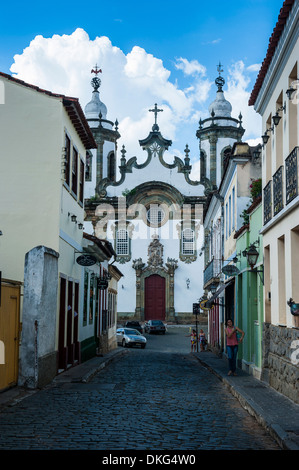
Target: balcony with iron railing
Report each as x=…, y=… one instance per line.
x=278, y=190
x=275, y=198
x=212, y=272
x=291, y=170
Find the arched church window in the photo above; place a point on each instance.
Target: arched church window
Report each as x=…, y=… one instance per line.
x=122, y=242
x=225, y=154
x=203, y=164
x=155, y=215
x=111, y=166
x=88, y=166
x=188, y=242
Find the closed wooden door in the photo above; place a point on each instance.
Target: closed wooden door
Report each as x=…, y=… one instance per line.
x=155, y=297
x=9, y=335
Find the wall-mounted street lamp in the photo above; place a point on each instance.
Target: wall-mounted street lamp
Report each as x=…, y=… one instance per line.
x=266, y=137
x=290, y=92
x=277, y=117
x=257, y=151
x=73, y=217
x=236, y=258
x=80, y=226
x=252, y=255
x=213, y=287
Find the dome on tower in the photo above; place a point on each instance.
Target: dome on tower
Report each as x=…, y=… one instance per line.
x=95, y=107
x=220, y=106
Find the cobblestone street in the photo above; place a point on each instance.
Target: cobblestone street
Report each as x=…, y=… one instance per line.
x=159, y=398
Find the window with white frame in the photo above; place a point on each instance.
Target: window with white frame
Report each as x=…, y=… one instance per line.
x=122, y=242
x=155, y=215
x=188, y=242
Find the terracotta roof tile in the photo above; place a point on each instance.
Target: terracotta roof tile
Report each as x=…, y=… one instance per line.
x=273, y=41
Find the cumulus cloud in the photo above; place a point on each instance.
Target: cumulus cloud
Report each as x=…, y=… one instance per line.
x=238, y=93
x=131, y=84
x=254, y=68
x=190, y=67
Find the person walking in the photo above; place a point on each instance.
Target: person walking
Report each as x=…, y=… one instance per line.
x=193, y=337
x=202, y=340
x=232, y=345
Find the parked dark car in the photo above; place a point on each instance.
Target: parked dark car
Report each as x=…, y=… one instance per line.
x=155, y=326
x=134, y=324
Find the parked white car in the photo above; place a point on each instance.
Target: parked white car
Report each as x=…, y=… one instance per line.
x=128, y=337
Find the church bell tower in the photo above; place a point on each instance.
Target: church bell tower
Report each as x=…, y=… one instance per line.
x=102, y=163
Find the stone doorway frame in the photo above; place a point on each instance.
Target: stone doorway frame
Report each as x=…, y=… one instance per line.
x=166, y=272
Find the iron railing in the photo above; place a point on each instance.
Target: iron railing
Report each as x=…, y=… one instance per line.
x=268, y=202
x=278, y=190
x=212, y=270
x=291, y=172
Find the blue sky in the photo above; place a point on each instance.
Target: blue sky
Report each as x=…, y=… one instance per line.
x=166, y=35
x=213, y=30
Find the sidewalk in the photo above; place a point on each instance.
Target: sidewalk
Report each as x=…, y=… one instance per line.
x=278, y=414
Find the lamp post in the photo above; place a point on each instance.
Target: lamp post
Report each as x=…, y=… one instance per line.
x=252, y=256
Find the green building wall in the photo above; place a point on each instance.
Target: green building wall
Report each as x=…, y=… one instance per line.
x=249, y=296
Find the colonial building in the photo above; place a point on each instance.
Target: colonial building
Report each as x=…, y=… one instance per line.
x=152, y=216
x=153, y=212
x=44, y=140
x=225, y=216
x=275, y=98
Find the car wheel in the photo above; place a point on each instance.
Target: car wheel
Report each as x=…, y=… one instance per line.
x=143, y=346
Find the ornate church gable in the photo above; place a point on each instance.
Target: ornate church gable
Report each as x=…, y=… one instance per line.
x=155, y=168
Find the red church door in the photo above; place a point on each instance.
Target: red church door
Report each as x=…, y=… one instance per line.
x=154, y=298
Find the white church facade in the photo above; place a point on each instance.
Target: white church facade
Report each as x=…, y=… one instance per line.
x=152, y=214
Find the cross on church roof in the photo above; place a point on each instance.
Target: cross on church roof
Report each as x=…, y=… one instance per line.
x=219, y=68
x=96, y=70
x=219, y=80
x=96, y=81
x=156, y=111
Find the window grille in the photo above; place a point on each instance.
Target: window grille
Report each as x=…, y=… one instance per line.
x=188, y=242
x=122, y=242
x=155, y=215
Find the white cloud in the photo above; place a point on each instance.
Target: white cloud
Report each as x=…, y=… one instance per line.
x=131, y=84
x=214, y=41
x=254, y=68
x=190, y=67
x=238, y=93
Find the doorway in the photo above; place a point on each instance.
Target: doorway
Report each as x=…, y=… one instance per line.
x=154, y=298
x=9, y=335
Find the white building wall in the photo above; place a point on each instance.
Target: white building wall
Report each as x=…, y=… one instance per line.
x=183, y=297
